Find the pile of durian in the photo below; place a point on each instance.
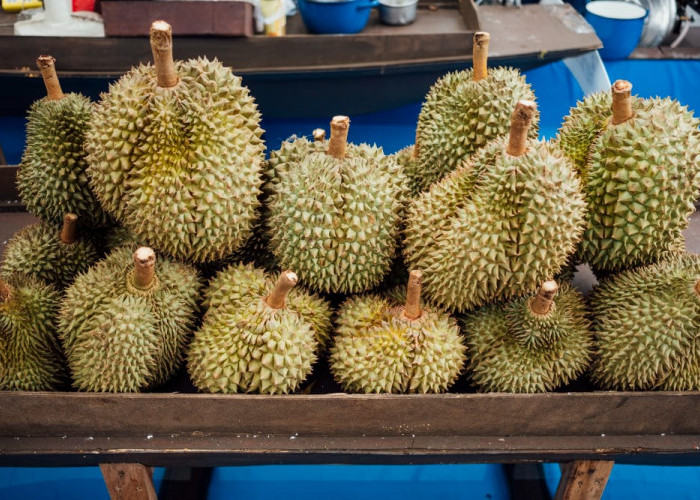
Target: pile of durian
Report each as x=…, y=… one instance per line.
x=169, y=245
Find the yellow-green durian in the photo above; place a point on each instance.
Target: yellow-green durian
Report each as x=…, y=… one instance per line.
x=52, y=178
x=125, y=323
x=383, y=346
x=30, y=354
x=257, y=336
x=535, y=343
x=334, y=216
x=54, y=255
x=176, y=154
x=647, y=325
x=640, y=178
x=411, y=167
x=464, y=111
x=500, y=225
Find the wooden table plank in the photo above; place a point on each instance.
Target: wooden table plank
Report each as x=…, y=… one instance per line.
x=584, y=480
x=129, y=481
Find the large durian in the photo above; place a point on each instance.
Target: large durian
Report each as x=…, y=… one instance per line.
x=334, y=216
x=647, y=323
x=52, y=179
x=47, y=253
x=382, y=346
x=498, y=226
x=463, y=111
x=532, y=344
x=176, y=154
x=639, y=166
x=126, y=322
x=30, y=354
x=257, y=335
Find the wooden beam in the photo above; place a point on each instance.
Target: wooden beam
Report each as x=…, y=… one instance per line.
x=129, y=481
x=584, y=480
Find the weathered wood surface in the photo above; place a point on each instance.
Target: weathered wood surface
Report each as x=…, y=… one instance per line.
x=584, y=480
x=129, y=481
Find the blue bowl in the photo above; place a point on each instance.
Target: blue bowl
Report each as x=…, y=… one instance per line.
x=618, y=24
x=333, y=16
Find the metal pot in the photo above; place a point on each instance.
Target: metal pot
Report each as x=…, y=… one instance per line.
x=397, y=12
x=659, y=22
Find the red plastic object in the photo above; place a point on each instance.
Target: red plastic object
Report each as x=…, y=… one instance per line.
x=83, y=5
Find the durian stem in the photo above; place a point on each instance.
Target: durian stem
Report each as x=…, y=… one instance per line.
x=5, y=291
x=339, y=136
x=69, y=231
x=144, y=267
x=416, y=147
x=319, y=134
x=519, y=127
x=412, y=308
x=47, y=66
x=285, y=282
x=621, y=102
x=162, y=47
x=542, y=302
x=697, y=287
x=480, y=55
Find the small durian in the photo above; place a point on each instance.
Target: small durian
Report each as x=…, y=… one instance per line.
x=176, y=154
x=382, y=346
x=257, y=336
x=640, y=169
x=465, y=110
x=647, y=323
x=500, y=225
x=407, y=160
x=334, y=217
x=30, y=354
x=125, y=323
x=532, y=344
x=49, y=254
x=52, y=179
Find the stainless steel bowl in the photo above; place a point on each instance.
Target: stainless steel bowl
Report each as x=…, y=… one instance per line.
x=397, y=12
x=659, y=22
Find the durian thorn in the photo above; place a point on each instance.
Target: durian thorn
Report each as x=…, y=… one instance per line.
x=319, y=134
x=144, y=267
x=47, y=66
x=69, y=231
x=412, y=308
x=286, y=281
x=697, y=287
x=480, y=55
x=162, y=47
x=520, y=122
x=541, y=303
x=5, y=291
x=621, y=102
x=339, y=136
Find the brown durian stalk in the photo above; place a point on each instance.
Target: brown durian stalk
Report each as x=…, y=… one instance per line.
x=69, y=231
x=144, y=268
x=621, y=102
x=520, y=126
x=319, y=135
x=412, y=309
x=162, y=47
x=339, y=137
x=541, y=303
x=47, y=65
x=480, y=53
x=286, y=281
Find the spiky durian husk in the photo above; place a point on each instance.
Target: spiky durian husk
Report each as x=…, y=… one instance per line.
x=30, y=354
x=51, y=178
x=459, y=116
x=119, y=338
x=641, y=181
x=377, y=350
x=244, y=345
x=179, y=166
x=496, y=228
x=336, y=222
x=38, y=251
x=510, y=348
x=646, y=322
x=411, y=168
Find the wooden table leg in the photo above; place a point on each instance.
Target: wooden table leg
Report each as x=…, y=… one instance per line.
x=129, y=481
x=583, y=480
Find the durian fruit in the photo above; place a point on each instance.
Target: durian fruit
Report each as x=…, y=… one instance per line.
x=257, y=336
x=382, y=346
x=52, y=179
x=47, y=253
x=465, y=110
x=535, y=343
x=30, y=354
x=647, y=323
x=500, y=225
x=411, y=168
x=334, y=216
x=176, y=154
x=640, y=178
x=125, y=323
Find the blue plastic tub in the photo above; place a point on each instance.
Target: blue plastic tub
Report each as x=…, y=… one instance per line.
x=333, y=16
x=618, y=25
